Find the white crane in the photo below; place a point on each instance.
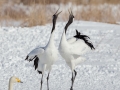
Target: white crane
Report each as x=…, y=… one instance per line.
x=44, y=57
x=73, y=49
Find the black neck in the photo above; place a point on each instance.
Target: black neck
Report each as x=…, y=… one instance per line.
x=53, y=28
x=67, y=27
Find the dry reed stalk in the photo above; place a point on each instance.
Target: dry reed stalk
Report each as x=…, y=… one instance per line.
x=37, y=17
x=42, y=15
x=78, y=2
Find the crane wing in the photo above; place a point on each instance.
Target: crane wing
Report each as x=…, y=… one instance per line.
x=34, y=53
x=79, y=47
x=71, y=40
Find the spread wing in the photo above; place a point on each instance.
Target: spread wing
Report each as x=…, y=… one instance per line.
x=35, y=52
x=79, y=47
x=71, y=40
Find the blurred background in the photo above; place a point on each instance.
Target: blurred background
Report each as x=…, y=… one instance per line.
x=39, y=12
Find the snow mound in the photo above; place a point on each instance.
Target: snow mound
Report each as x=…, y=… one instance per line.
x=100, y=71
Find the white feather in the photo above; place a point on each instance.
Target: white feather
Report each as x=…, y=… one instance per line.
x=79, y=47
x=47, y=55
x=71, y=40
x=72, y=50
x=36, y=51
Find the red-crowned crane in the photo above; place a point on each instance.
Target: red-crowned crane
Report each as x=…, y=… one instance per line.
x=73, y=49
x=44, y=57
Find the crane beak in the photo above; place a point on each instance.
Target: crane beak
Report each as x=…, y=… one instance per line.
x=57, y=12
x=70, y=12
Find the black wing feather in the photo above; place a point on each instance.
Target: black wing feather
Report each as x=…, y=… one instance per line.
x=36, y=62
x=85, y=38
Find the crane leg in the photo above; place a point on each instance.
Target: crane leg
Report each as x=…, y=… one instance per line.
x=75, y=74
x=41, y=82
x=47, y=81
x=73, y=79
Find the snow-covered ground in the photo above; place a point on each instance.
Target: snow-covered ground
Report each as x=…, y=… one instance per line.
x=100, y=71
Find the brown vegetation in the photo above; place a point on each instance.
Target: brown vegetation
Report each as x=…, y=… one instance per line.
x=37, y=17
x=29, y=2
x=93, y=13
x=41, y=15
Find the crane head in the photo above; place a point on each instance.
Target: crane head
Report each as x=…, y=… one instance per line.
x=71, y=17
x=56, y=15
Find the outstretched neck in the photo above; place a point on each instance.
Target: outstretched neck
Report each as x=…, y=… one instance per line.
x=10, y=86
x=53, y=28
x=51, y=40
x=63, y=39
x=66, y=26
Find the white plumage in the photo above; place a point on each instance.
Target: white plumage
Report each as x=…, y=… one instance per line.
x=44, y=57
x=73, y=49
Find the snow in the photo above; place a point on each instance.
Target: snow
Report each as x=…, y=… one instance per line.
x=100, y=71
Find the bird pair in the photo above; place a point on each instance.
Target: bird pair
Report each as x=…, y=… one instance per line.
x=71, y=50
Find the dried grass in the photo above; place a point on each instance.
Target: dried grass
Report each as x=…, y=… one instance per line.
x=93, y=13
x=41, y=16
x=14, y=14
x=85, y=2
x=37, y=17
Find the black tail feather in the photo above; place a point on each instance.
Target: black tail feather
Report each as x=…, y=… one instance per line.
x=26, y=57
x=30, y=58
x=90, y=45
x=36, y=62
x=85, y=38
x=77, y=33
x=39, y=72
